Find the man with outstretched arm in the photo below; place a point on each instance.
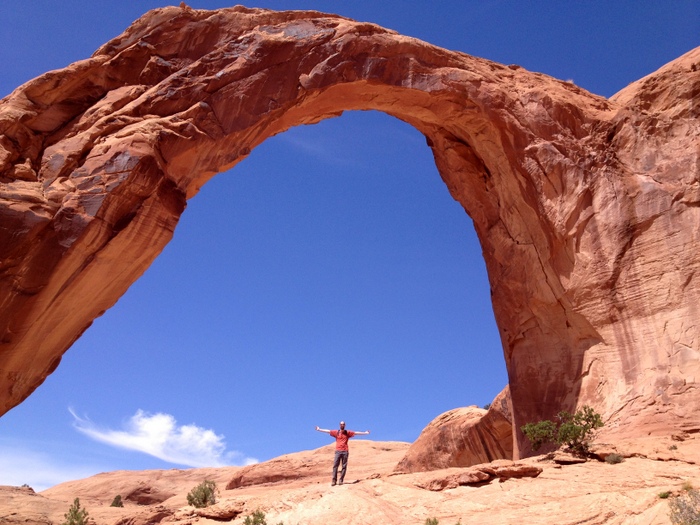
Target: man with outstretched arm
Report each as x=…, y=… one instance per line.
x=341, y=448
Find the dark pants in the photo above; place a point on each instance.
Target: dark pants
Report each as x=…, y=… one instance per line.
x=341, y=456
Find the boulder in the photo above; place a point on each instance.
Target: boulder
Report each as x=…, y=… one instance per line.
x=463, y=437
x=222, y=511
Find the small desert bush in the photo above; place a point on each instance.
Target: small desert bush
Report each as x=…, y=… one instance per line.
x=614, y=458
x=76, y=515
x=574, y=431
x=685, y=509
x=257, y=518
x=202, y=495
x=665, y=494
x=540, y=433
x=117, y=502
x=431, y=521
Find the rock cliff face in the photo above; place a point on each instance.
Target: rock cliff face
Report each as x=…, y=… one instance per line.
x=587, y=209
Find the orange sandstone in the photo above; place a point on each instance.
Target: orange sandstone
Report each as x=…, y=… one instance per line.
x=587, y=209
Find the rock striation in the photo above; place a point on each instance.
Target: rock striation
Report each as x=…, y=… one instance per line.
x=587, y=209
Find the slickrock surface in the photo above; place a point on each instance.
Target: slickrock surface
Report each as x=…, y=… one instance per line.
x=534, y=491
x=587, y=209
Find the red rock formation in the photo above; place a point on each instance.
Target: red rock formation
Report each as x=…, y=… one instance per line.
x=145, y=494
x=273, y=471
x=591, y=492
x=477, y=475
x=587, y=209
x=318, y=464
x=463, y=437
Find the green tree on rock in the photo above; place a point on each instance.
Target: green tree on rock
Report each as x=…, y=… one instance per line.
x=203, y=495
x=574, y=431
x=76, y=515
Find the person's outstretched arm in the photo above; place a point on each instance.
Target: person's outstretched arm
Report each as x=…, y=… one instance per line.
x=323, y=430
x=365, y=433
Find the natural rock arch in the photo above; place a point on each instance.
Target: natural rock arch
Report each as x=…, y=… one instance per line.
x=587, y=209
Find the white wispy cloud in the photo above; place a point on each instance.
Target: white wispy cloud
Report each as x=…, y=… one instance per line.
x=22, y=466
x=324, y=144
x=160, y=436
x=315, y=147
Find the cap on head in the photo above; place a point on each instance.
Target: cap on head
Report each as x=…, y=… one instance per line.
x=342, y=423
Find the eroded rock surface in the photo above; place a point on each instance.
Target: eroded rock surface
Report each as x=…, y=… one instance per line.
x=587, y=209
x=533, y=491
x=478, y=475
x=463, y=437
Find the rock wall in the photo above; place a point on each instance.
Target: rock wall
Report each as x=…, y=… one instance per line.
x=587, y=209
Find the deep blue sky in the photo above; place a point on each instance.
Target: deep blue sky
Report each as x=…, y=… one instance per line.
x=328, y=276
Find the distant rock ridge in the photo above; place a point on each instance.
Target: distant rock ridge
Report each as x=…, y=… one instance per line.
x=587, y=208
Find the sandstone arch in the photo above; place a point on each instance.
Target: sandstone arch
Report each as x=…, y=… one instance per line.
x=587, y=209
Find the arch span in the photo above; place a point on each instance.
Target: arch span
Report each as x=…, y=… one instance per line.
x=572, y=212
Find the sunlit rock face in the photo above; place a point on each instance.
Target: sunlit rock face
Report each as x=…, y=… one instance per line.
x=587, y=209
x=463, y=437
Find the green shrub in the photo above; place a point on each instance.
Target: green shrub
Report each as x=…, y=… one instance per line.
x=574, y=431
x=202, y=495
x=117, y=502
x=257, y=518
x=665, y=494
x=673, y=447
x=76, y=515
x=539, y=433
x=614, y=458
x=685, y=509
x=431, y=521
